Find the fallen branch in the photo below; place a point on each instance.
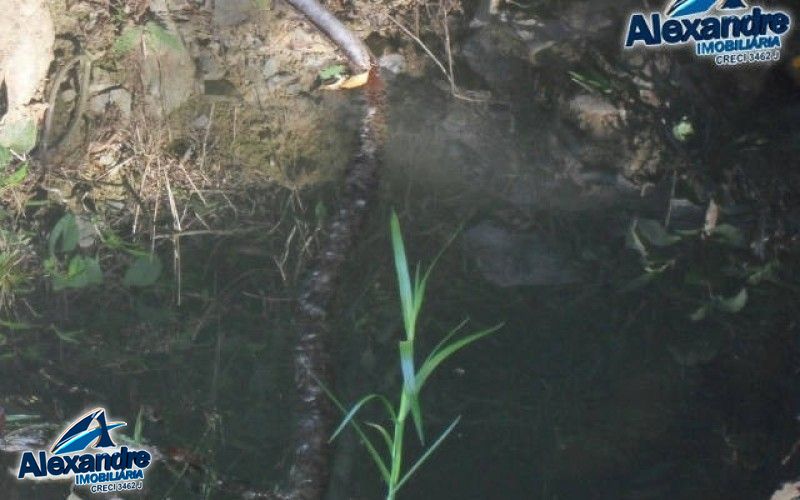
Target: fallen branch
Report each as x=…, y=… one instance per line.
x=354, y=48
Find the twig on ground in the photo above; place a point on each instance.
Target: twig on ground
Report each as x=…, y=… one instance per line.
x=176, y=241
x=205, y=136
x=454, y=88
x=423, y=47
x=449, y=52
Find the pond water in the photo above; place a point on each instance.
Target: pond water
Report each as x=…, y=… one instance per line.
x=629, y=364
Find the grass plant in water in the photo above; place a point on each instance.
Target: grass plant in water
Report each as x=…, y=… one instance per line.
x=412, y=297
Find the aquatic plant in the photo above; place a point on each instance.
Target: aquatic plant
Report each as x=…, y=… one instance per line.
x=695, y=265
x=412, y=297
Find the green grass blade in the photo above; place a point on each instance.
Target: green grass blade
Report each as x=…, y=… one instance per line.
x=447, y=337
x=66, y=335
x=15, y=325
x=406, y=349
x=427, y=454
x=373, y=453
x=410, y=387
x=445, y=352
x=14, y=178
x=418, y=294
x=403, y=276
x=354, y=410
x=384, y=434
x=439, y=256
x=138, y=429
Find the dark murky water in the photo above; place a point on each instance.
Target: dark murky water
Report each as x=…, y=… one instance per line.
x=593, y=389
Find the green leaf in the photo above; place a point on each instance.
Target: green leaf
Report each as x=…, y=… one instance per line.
x=334, y=71
x=81, y=272
x=700, y=314
x=449, y=336
x=350, y=415
x=633, y=242
x=161, y=38
x=112, y=240
x=733, y=304
x=440, y=355
x=387, y=439
x=410, y=387
x=66, y=232
x=591, y=82
x=19, y=136
x=128, y=40
x=729, y=235
x=138, y=429
x=403, y=277
x=683, y=130
x=15, y=326
x=427, y=454
x=143, y=272
x=66, y=336
x=655, y=233
x=5, y=157
x=764, y=273
x=373, y=453
x=14, y=178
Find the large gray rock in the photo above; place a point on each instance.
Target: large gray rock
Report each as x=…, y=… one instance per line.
x=26, y=50
x=507, y=259
x=498, y=54
x=233, y=12
x=168, y=73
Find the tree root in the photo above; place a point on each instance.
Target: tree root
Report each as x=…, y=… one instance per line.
x=85, y=65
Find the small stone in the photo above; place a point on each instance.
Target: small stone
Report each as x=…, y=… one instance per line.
x=87, y=234
x=98, y=103
x=200, y=122
x=271, y=68
x=122, y=99
x=209, y=67
x=394, y=63
x=596, y=115
x=68, y=95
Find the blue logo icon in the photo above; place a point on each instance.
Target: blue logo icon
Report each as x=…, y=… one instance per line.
x=80, y=435
x=681, y=8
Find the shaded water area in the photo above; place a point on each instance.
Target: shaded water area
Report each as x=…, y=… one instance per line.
x=646, y=352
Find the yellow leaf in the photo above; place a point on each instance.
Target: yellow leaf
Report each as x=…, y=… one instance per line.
x=356, y=81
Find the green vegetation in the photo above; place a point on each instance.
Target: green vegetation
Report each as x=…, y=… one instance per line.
x=17, y=136
x=156, y=36
x=711, y=269
x=412, y=297
x=14, y=275
x=68, y=268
